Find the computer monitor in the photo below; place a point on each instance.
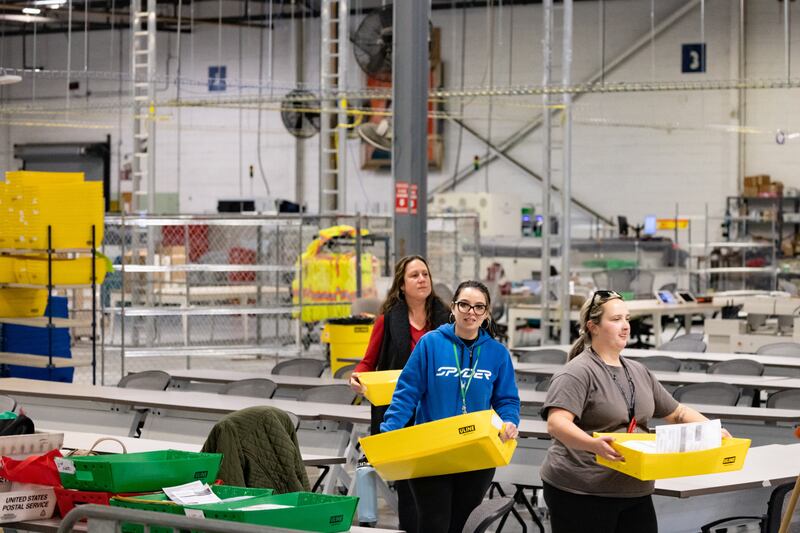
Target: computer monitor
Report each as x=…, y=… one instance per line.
x=622, y=223
x=650, y=225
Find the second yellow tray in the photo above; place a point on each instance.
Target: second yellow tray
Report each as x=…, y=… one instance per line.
x=379, y=385
x=649, y=466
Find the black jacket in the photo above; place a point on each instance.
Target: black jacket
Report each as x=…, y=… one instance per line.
x=396, y=345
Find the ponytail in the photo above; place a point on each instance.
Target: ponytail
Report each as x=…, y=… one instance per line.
x=577, y=348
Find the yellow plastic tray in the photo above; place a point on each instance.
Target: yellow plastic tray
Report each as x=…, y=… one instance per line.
x=7, y=269
x=649, y=466
x=22, y=303
x=458, y=444
x=380, y=385
x=33, y=270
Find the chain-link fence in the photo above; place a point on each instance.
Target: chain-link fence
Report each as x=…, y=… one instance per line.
x=454, y=248
x=240, y=291
x=193, y=286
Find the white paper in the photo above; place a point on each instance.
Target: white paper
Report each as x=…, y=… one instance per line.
x=644, y=446
x=691, y=437
x=236, y=499
x=263, y=507
x=194, y=493
x=194, y=513
x=65, y=466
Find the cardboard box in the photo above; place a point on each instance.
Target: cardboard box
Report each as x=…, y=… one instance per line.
x=23, y=501
x=173, y=255
x=750, y=191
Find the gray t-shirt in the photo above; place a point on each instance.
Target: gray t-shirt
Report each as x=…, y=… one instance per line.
x=585, y=388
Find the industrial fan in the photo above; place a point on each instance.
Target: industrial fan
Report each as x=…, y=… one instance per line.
x=377, y=134
x=372, y=44
x=300, y=113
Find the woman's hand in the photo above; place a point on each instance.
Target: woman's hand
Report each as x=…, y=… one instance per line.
x=355, y=384
x=726, y=434
x=602, y=447
x=508, y=432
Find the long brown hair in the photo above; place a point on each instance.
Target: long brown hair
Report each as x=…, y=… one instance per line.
x=395, y=294
x=592, y=310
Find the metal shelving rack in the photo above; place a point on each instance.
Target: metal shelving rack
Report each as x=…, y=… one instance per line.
x=49, y=321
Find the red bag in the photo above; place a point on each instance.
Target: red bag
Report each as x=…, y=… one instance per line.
x=39, y=469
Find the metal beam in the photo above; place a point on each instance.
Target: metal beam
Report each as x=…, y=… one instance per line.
x=410, y=123
x=516, y=137
x=521, y=166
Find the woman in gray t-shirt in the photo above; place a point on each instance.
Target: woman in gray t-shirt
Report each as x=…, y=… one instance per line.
x=599, y=390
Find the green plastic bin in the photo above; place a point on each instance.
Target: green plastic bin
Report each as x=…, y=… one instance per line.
x=610, y=264
x=159, y=502
x=307, y=511
x=138, y=472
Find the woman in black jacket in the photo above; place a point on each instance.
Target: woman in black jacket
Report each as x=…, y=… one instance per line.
x=410, y=310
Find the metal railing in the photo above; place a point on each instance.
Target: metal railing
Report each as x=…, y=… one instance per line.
x=105, y=519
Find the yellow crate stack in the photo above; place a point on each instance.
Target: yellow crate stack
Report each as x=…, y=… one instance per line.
x=29, y=203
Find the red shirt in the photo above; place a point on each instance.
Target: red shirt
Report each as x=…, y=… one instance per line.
x=370, y=361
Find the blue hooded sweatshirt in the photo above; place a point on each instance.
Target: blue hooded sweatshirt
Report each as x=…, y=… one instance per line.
x=429, y=382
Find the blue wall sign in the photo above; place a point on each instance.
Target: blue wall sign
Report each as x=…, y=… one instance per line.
x=693, y=58
x=216, y=78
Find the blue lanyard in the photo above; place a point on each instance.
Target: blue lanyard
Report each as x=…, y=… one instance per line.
x=462, y=387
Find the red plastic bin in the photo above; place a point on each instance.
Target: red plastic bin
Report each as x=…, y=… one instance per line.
x=68, y=499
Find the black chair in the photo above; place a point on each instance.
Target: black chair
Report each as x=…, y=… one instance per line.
x=338, y=394
x=712, y=393
x=522, y=477
x=769, y=522
x=741, y=367
x=345, y=371
x=486, y=514
x=301, y=366
x=255, y=388
x=548, y=356
x=780, y=348
x=294, y=418
x=147, y=380
x=443, y=291
x=661, y=363
x=785, y=399
x=684, y=343
x=7, y=403
x=543, y=385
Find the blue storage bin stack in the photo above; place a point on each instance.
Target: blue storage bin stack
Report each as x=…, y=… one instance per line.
x=30, y=340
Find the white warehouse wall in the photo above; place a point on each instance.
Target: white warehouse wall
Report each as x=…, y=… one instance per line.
x=634, y=153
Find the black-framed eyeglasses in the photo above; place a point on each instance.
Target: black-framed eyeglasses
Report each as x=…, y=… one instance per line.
x=602, y=294
x=466, y=307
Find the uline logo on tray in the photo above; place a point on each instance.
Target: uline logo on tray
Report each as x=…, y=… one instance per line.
x=336, y=519
x=201, y=474
x=466, y=429
x=729, y=460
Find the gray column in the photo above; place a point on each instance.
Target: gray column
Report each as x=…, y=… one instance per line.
x=410, y=114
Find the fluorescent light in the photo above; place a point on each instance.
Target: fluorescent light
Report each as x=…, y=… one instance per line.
x=31, y=10
x=8, y=79
x=57, y=3
x=25, y=18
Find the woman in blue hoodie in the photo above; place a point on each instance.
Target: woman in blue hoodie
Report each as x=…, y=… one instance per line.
x=456, y=369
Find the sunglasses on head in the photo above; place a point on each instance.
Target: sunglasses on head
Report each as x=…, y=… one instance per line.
x=603, y=294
